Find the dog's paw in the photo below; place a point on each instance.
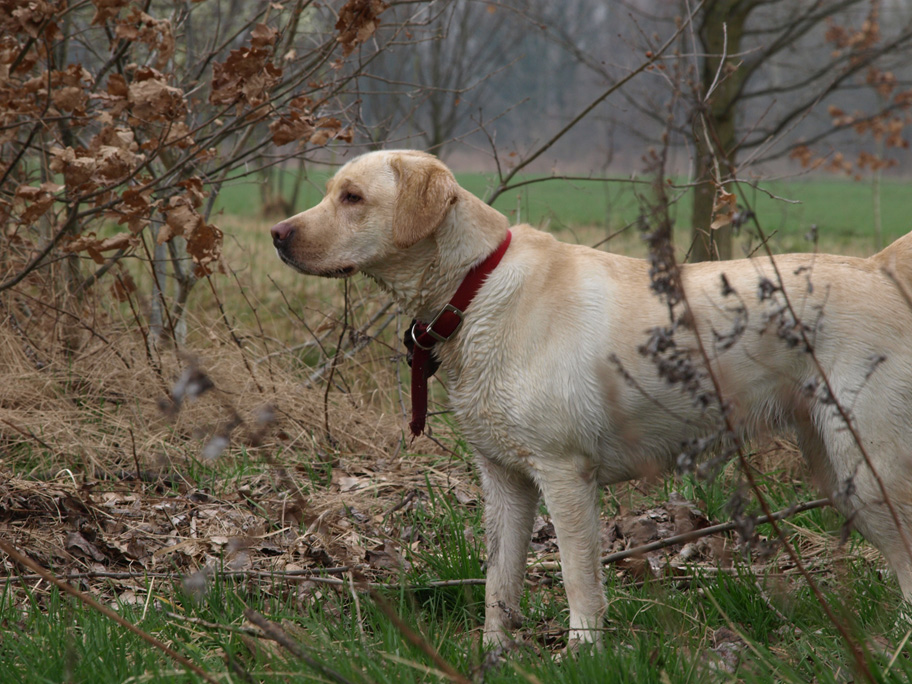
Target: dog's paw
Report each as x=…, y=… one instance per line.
x=582, y=641
x=499, y=640
x=498, y=633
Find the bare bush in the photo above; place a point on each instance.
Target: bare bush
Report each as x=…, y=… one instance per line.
x=122, y=123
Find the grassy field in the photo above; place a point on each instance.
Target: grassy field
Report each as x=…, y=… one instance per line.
x=841, y=209
x=318, y=493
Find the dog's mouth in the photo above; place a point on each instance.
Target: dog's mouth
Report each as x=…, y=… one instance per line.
x=341, y=272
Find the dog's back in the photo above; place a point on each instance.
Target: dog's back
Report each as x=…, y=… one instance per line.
x=896, y=260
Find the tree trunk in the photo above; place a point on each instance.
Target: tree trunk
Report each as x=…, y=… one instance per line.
x=720, y=35
x=706, y=244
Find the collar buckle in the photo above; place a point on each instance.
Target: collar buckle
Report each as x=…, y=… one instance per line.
x=450, y=328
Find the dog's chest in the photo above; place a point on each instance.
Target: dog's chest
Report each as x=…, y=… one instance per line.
x=508, y=414
x=484, y=397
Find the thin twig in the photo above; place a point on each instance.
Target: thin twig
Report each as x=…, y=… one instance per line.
x=208, y=624
x=28, y=433
x=363, y=339
x=856, y=650
x=234, y=574
x=335, y=361
x=277, y=634
x=234, y=337
x=831, y=391
x=505, y=181
x=320, y=575
x=902, y=645
x=680, y=295
x=714, y=529
x=36, y=261
x=357, y=601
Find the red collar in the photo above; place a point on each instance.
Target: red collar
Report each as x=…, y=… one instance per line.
x=442, y=328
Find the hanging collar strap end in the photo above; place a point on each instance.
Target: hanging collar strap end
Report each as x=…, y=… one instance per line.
x=445, y=324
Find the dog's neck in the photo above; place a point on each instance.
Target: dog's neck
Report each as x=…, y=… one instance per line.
x=425, y=277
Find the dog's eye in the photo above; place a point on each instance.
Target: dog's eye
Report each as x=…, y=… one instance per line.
x=350, y=198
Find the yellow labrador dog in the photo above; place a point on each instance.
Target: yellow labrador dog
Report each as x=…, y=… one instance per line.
x=550, y=386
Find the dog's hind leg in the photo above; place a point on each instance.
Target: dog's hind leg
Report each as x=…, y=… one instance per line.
x=873, y=490
x=511, y=499
x=571, y=493
x=876, y=521
x=874, y=509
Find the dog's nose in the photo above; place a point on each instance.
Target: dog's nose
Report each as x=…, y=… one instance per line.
x=281, y=233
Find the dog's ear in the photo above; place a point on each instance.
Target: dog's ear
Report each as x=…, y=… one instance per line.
x=426, y=193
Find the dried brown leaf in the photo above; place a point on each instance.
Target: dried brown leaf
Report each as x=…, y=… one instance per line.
x=204, y=245
x=76, y=543
x=152, y=99
x=134, y=209
x=156, y=33
x=263, y=36
x=180, y=219
x=90, y=241
x=38, y=200
x=244, y=78
x=35, y=16
x=725, y=205
x=69, y=98
x=123, y=287
x=106, y=10
x=290, y=128
x=358, y=21
x=76, y=168
x=179, y=135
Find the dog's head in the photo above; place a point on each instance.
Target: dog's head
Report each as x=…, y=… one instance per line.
x=377, y=205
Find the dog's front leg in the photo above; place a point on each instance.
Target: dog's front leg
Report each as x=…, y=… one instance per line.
x=511, y=499
x=571, y=494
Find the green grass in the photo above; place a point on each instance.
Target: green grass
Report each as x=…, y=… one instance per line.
x=657, y=632
x=841, y=209
x=663, y=629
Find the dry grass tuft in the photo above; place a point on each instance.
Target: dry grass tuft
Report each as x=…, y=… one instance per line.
x=117, y=456
x=109, y=407
x=80, y=390
x=120, y=460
